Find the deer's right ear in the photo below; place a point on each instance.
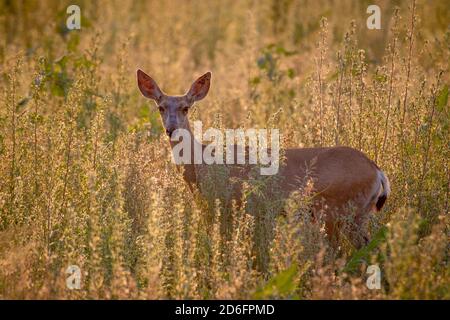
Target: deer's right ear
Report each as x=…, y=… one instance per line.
x=148, y=86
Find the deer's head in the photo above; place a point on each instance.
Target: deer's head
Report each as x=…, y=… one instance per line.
x=173, y=109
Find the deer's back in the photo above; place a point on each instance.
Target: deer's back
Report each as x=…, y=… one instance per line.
x=338, y=174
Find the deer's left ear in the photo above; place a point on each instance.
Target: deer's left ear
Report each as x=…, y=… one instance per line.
x=200, y=88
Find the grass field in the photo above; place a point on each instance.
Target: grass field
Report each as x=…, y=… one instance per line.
x=86, y=176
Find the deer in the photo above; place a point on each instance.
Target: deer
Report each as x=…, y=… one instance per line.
x=342, y=176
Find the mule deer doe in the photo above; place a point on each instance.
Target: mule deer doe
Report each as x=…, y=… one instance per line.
x=342, y=175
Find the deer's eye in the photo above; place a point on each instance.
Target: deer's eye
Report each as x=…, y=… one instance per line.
x=185, y=110
x=161, y=109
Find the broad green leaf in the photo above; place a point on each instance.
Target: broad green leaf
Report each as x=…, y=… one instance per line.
x=363, y=254
x=281, y=284
x=442, y=98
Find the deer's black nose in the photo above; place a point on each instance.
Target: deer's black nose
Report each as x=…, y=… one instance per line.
x=170, y=131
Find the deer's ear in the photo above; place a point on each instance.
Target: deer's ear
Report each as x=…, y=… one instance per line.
x=148, y=86
x=200, y=88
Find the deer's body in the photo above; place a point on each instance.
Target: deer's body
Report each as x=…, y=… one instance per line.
x=344, y=180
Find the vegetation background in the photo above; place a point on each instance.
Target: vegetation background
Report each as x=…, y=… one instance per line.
x=85, y=171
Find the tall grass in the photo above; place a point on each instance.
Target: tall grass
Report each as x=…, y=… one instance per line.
x=85, y=172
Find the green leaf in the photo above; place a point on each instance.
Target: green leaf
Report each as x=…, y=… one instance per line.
x=282, y=51
x=62, y=62
x=255, y=80
x=73, y=42
x=442, y=98
x=291, y=73
x=363, y=254
x=22, y=103
x=282, y=284
x=83, y=62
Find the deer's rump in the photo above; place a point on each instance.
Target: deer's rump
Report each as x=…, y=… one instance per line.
x=341, y=176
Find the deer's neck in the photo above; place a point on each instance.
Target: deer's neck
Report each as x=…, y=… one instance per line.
x=191, y=169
